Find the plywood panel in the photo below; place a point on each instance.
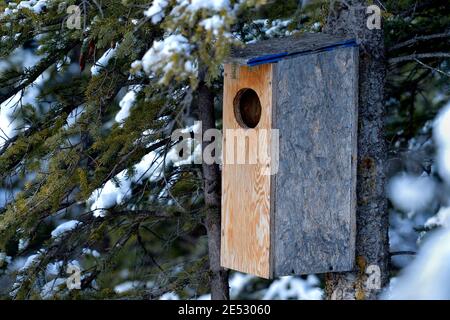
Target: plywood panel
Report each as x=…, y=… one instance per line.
x=316, y=109
x=246, y=188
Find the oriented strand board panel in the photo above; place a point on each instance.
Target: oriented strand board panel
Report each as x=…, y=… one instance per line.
x=315, y=190
x=245, y=244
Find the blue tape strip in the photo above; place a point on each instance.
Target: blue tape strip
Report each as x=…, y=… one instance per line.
x=273, y=58
x=256, y=63
x=268, y=57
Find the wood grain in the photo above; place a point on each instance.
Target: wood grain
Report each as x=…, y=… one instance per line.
x=246, y=209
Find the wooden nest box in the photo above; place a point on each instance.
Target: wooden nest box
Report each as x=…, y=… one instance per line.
x=300, y=218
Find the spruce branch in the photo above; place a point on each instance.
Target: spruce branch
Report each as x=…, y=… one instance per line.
x=32, y=74
x=418, y=39
x=414, y=57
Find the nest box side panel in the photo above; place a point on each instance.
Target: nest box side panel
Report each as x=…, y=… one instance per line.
x=316, y=111
x=246, y=210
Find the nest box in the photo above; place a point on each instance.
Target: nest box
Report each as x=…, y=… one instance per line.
x=301, y=218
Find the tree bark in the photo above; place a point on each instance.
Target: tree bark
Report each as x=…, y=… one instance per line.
x=372, y=243
x=211, y=188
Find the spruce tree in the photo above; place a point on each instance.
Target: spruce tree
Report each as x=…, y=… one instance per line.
x=87, y=177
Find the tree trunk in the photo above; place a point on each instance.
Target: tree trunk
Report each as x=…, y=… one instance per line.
x=372, y=243
x=211, y=187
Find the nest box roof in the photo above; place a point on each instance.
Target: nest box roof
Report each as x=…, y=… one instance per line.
x=273, y=50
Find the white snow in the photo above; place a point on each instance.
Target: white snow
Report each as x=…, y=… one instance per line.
x=193, y=148
x=136, y=65
x=441, y=219
x=52, y=287
x=16, y=264
x=74, y=116
x=110, y=195
x=441, y=128
x=271, y=28
x=294, y=288
x=443, y=164
x=174, y=53
x=23, y=244
x=127, y=286
x=410, y=193
x=169, y=296
x=213, y=24
x=126, y=103
x=54, y=268
x=91, y=252
x=103, y=61
x=429, y=275
x=278, y=27
x=117, y=190
x=441, y=134
x=284, y=288
x=238, y=282
x=4, y=259
x=24, y=59
x=160, y=54
x=316, y=26
x=189, y=67
x=113, y=194
x=156, y=10
x=32, y=259
x=65, y=227
x=403, y=235
x=215, y=5
x=36, y=6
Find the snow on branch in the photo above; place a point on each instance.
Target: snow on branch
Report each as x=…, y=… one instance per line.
x=102, y=63
x=65, y=227
x=117, y=190
x=424, y=278
x=196, y=32
x=36, y=6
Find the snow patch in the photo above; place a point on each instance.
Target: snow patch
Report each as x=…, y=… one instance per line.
x=74, y=116
x=441, y=219
x=427, y=277
x=156, y=10
x=65, y=227
x=52, y=287
x=53, y=269
x=162, y=52
x=411, y=194
x=37, y=6
x=215, y=5
x=294, y=288
x=91, y=252
x=169, y=296
x=213, y=24
x=24, y=59
x=103, y=61
x=116, y=190
x=441, y=134
x=32, y=259
x=128, y=100
x=127, y=286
